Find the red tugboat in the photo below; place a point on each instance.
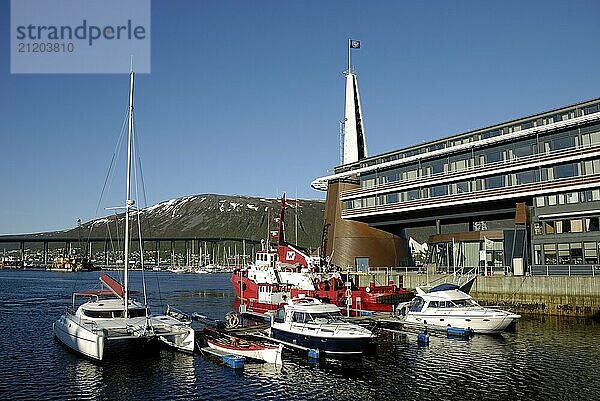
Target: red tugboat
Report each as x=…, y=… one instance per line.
x=277, y=276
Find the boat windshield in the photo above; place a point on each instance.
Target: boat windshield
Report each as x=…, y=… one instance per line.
x=462, y=303
x=326, y=317
x=457, y=303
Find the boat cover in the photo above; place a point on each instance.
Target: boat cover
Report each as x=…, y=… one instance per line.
x=444, y=287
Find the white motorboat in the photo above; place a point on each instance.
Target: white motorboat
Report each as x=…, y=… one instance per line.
x=111, y=317
x=445, y=306
x=308, y=323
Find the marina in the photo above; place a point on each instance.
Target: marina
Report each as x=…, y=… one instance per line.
x=541, y=360
x=457, y=257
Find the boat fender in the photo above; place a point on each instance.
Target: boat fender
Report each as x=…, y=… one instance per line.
x=313, y=353
x=423, y=338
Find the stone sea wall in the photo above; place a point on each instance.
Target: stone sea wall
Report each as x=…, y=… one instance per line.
x=542, y=295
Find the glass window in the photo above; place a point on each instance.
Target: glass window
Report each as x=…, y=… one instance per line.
x=349, y=205
x=412, y=194
x=370, y=201
x=522, y=151
x=572, y=197
x=459, y=163
x=367, y=181
x=550, y=254
x=494, y=182
x=493, y=156
x=417, y=304
x=439, y=190
x=564, y=256
x=551, y=200
x=592, y=224
x=391, y=176
x=392, y=198
x=461, y=187
x=537, y=254
x=299, y=317
x=550, y=227
x=576, y=226
x=566, y=170
x=590, y=109
x=590, y=253
x=539, y=201
x=433, y=167
x=436, y=146
x=410, y=174
x=490, y=134
x=537, y=229
x=591, y=195
x=576, y=253
x=362, y=264
x=527, y=177
x=527, y=124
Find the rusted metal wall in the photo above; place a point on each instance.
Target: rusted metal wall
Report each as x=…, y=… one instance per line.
x=346, y=240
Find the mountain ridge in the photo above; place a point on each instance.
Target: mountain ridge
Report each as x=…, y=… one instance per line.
x=212, y=215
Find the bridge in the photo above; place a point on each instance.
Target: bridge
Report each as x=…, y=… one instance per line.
x=36, y=249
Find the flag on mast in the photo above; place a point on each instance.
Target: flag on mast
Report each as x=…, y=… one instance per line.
x=354, y=44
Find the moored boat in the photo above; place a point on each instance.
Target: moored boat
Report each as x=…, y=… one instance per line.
x=308, y=323
x=111, y=317
x=104, y=322
x=289, y=271
x=446, y=306
x=235, y=345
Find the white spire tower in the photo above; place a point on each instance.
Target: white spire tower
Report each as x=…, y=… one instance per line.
x=355, y=145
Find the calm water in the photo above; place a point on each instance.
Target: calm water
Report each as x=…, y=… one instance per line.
x=545, y=359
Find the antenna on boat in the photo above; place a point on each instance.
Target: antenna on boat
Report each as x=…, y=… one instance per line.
x=128, y=202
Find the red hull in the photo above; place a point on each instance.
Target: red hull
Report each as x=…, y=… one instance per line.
x=372, y=298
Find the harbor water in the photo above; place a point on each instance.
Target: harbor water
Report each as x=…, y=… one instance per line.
x=545, y=359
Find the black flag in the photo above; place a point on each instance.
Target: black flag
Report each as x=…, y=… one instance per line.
x=355, y=44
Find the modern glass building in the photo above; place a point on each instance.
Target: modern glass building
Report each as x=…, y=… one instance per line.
x=521, y=197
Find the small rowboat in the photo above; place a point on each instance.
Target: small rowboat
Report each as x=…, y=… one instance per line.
x=269, y=353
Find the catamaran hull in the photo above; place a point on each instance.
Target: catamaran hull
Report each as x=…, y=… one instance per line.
x=79, y=338
x=328, y=345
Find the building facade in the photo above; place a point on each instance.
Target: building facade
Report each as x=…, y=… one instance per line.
x=521, y=197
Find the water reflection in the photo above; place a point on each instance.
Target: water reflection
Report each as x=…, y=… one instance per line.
x=546, y=358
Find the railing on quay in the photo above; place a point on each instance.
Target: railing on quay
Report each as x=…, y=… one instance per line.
x=534, y=270
x=565, y=270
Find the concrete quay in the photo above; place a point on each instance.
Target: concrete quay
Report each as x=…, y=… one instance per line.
x=540, y=295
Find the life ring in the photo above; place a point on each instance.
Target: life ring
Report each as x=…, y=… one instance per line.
x=368, y=289
x=232, y=319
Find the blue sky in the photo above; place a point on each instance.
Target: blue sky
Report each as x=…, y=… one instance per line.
x=245, y=96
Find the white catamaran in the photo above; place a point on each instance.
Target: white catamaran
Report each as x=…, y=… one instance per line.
x=111, y=318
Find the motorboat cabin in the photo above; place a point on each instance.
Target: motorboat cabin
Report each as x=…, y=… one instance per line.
x=308, y=323
x=445, y=306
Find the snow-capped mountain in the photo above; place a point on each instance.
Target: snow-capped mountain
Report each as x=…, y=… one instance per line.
x=212, y=215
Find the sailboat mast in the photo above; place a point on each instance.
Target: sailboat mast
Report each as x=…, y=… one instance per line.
x=128, y=202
